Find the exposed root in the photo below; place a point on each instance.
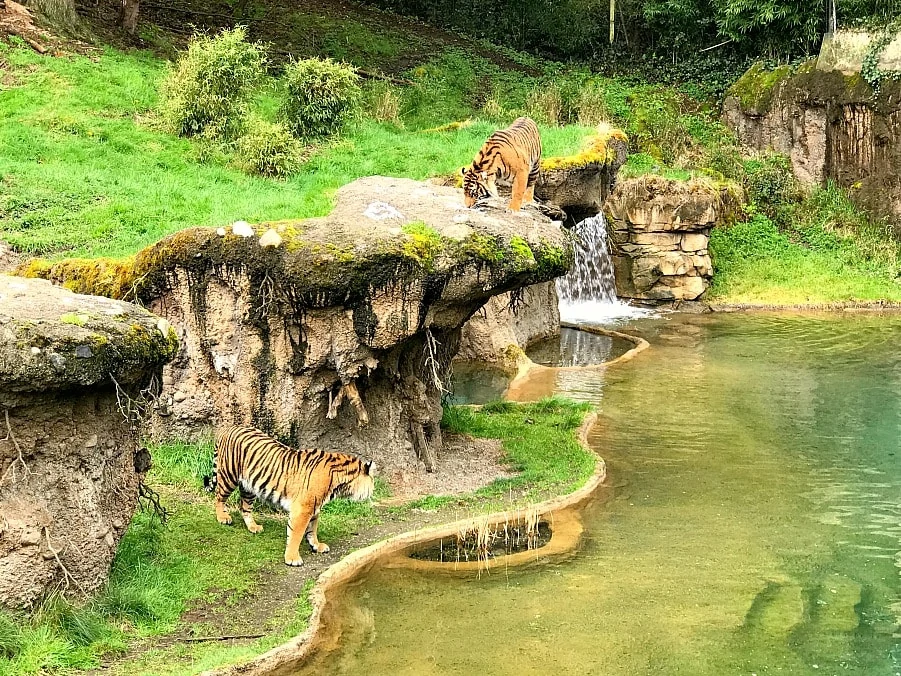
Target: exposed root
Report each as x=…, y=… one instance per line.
x=431, y=361
x=136, y=409
x=67, y=576
x=19, y=460
x=349, y=391
x=424, y=450
x=153, y=498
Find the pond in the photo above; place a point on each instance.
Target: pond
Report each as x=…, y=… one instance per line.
x=751, y=525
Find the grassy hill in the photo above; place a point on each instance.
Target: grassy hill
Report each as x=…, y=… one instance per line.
x=87, y=170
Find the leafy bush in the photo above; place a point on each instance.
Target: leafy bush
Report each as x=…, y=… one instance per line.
x=771, y=186
x=268, y=149
x=655, y=126
x=320, y=96
x=209, y=88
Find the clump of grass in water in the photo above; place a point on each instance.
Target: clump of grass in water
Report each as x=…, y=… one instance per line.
x=483, y=540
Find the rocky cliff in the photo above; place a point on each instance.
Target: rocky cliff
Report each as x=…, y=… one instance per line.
x=830, y=123
x=335, y=332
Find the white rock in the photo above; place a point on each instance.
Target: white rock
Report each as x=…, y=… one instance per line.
x=220, y=232
x=270, y=238
x=242, y=229
x=380, y=211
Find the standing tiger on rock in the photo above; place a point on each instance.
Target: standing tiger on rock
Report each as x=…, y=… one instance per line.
x=297, y=481
x=511, y=153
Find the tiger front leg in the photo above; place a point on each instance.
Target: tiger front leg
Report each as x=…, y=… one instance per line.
x=298, y=521
x=313, y=538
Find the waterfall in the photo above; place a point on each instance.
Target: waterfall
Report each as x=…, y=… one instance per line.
x=587, y=292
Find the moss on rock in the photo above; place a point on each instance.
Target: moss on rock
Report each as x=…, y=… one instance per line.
x=599, y=148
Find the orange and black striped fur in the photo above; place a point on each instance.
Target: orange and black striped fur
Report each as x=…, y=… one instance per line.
x=511, y=153
x=297, y=481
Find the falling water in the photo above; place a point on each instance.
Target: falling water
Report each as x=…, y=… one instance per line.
x=587, y=292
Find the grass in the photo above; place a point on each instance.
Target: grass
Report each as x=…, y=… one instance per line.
x=85, y=171
x=160, y=571
x=826, y=252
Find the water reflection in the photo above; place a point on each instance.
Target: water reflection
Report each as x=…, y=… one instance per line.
x=753, y=526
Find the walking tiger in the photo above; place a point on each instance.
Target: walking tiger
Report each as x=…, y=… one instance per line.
x=514, y=152
x=297, y=481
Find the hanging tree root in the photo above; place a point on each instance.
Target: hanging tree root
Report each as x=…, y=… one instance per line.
x=350, y=391
x=67, y=576
x=20, y=459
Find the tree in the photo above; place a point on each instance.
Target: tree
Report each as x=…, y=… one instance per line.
x=129, y=18
x=58, y=13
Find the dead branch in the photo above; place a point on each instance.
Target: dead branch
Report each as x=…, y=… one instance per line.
x=201, y=639
x=66, y=574
x=20, y=459
x=146, y=492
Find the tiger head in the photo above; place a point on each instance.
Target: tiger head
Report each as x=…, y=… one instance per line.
x=475, y=185
x=358, y=484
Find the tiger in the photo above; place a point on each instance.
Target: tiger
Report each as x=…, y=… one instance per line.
x=297, y=481
x=514, y=152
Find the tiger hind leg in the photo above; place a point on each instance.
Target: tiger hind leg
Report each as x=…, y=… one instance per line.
x=222, y=514
x=518, y=192
x=530, y=185
x=313, y=538
x=247, y=513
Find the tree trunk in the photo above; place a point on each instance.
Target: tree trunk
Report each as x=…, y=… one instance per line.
x=57, y=13
x=130, y=9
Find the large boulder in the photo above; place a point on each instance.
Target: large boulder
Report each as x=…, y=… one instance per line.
x=336, y=331
x=75, y=372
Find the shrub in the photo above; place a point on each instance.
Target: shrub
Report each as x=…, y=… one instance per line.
x=381, y=102
x=655, y=126
x=320, y=96
x=209, y=88
x=268, y=149
x=771, y=186
x=545, y=104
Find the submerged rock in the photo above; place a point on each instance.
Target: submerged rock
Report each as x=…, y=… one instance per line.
x=341, y=336
x=74, y=371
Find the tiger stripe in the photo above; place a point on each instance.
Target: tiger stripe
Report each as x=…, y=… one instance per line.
x=297, y=481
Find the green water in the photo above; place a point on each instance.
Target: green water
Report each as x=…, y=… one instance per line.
x=752, y=524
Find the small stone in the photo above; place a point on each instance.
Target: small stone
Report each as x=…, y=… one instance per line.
x=30, y=538
x=84, y=352
x=91, y=442
x=47, y=555
x=35, y=350
x=270, y=238
x=168, y=380
x=179, y=396
x=163, y=326
x=110, y=540
x=242, y=229
x=57, y=361
x=694, y=242
x=220, y=232
x=118, y=524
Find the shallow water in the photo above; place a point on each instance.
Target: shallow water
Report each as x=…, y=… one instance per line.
x=577, y=348
x=752, y=524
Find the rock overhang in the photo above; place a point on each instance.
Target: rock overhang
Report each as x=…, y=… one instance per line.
x=382, y=231
x=54, y=339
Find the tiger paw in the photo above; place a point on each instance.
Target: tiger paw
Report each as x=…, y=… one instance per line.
x=224, y=520
x=293, y=561
x=321, y=548
x=255, y=528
